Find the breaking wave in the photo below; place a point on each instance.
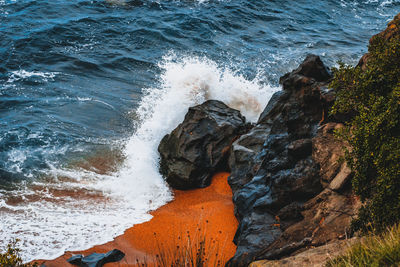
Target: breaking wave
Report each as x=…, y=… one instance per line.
x=74, y=208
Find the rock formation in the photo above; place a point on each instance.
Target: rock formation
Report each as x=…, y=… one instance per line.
x=200, y=145
x=291, y=189
x=326, y=216
x=285, y=170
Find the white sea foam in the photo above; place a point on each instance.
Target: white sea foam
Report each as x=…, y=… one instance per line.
x=183, y=83
x=16, y=157
x=77, y=208
x=23, y=74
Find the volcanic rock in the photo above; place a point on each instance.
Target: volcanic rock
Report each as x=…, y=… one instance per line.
x=273, y=171
x=200, y=145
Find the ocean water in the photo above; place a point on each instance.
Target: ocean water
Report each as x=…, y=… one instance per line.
x=89, y=88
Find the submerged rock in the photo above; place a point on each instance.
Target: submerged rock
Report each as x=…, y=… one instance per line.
x=200, y=145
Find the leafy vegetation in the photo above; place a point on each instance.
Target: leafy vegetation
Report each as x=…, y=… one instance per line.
x=374, y=251
x=11, y=257
x=371, y=97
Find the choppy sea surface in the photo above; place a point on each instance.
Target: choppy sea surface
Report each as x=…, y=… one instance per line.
x=89, y=88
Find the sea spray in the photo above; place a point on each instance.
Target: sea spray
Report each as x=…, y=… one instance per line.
x=67, y=82
x=183, y=83
x=80, y=208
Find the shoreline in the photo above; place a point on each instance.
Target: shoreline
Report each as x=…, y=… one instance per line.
x=206, y=213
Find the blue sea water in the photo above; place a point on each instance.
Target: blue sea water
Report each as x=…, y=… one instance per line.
x=88, y=88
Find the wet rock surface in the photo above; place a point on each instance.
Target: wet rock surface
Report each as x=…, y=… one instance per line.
x=290, y=190
x=200, y=145
x=96, y=259
x=283, y=169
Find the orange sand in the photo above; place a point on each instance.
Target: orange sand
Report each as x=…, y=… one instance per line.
x=209, y=209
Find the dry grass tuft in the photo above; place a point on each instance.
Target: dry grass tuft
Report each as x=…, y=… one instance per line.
x=190, y=250
x=373, y=250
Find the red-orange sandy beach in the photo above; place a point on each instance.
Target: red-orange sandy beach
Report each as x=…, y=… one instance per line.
x=209, y=209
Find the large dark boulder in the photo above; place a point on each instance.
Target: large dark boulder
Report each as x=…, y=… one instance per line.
x=200, y=145
x=273, y=172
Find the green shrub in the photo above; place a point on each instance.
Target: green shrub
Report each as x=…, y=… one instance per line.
x=11, y=257
x=374, y=251
x=371, y=97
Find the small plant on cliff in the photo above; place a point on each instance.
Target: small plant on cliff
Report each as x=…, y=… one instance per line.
x=11, y=257
x=372, y=250
x=371, y=96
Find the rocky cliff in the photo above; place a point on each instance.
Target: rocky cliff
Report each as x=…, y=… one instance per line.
x=291, y=189
x=200, y=145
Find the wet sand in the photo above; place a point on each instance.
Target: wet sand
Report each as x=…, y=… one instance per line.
x=202, y=214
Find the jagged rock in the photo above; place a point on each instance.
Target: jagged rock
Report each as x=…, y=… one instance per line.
x=311, y=68
x=244, y=158
x=272, y=165
x=271, y=104
x=257, y=235
x=327, y=216
x=288, y=185
x=280, y=167
x=200, y=144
